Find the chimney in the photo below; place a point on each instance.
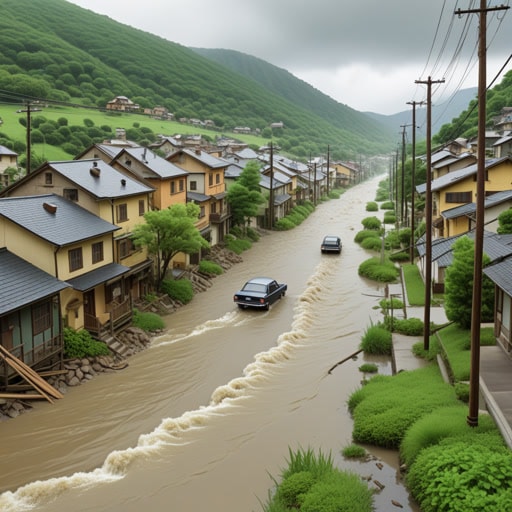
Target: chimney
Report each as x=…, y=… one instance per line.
x=198, y=151
x=95, y=170
x=50, y=207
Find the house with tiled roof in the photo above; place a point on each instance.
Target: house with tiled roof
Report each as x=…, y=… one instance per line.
x=30, y=316
x=8, y=159
x=206, y=187
x=75, y=246
x=106, y=192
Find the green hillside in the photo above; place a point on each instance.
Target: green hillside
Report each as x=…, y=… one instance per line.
x=68, y=55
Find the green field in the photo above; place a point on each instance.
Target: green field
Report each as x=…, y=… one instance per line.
x=11, y=127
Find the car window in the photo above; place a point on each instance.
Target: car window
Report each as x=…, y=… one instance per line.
x=255, y=287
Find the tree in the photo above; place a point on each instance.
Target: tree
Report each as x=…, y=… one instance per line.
x=244, y=196
x=459, y=285
x=505, y=222
x=168, y=232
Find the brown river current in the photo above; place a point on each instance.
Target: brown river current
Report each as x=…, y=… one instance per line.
x=205, y=417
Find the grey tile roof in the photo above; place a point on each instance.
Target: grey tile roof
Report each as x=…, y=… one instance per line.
x=501, y=274
x=95, y=277
x=104, y=182
x=155, y=165
x=203, y=156
x=470, y=208
x=109, y=149
x=6, y=151
x=458, y=175
x=69, y=224
x=23, y=283
x=198, y=197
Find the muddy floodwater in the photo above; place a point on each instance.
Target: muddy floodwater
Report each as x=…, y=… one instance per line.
x=207, y=415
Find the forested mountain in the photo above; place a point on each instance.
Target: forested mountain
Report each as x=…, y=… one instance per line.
x=56, y=51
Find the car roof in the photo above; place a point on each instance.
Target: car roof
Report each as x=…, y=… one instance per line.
x=261, y=280
x=331, y=237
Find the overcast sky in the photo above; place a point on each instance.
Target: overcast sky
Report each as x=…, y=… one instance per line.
x=365, y=54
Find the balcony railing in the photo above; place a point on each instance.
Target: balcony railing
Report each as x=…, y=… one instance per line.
x=219, y=217
x=120, y=314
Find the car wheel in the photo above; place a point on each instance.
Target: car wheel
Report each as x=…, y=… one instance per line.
x=267, y=306
x=241, y=306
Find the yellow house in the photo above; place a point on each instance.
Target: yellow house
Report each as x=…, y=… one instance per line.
x=71, y=244
x=206, y=187
x=168, y=180
x=459, y=187
x=346, y=174
x=108, y=194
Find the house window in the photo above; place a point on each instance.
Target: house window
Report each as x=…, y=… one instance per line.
x=458, y=197
x=142, y=207
x=182, y=185
x=173, y=187
x=41, y=318
x=122, y=212
x=193, y=185
x=210, y=180
x=75, y=259
x=202, y=212
x=217, y=178
x=71, y=194
x=97, y=252
x=126, y=247
x=114, y=292
x=48, y=178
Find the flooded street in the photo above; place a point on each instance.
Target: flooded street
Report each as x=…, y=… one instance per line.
x=206, y=416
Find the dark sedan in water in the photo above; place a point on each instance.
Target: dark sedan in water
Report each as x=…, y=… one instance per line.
x=259, y=292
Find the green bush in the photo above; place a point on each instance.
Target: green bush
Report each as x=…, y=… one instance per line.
x=237, y=245
x=442, y=423
x=371, y=223
x=387, y=406
x=252, y=234
x=369, y=368
x=389, y=218
x=180, y=290
x=399, y=257
x=79, y=344
x=210, y=267
x=284, y=224
x=405, y=235
x=377, y=340
x=383, y=272
x=364, y=234
x=372, y=206
x=147, y=321
x=392, y=303
x=372, y=243
x=312, y=484
x=354, y=451
x=387, y=205
x=406, y=326
x=461, y=477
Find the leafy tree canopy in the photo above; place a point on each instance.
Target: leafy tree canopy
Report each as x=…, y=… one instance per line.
x=168, y=232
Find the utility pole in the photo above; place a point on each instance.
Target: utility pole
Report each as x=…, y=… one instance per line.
x=403, y=207
x=29, y=111
x=396, y=181
x=476, y=309
x=328, y=175
x=271, y=197
x=428, y=215
x=413, y=172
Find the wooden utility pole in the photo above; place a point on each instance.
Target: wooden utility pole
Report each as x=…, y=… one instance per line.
x=271, y=197
x=428, y=216
x=328, y=175
x=476, y=310
x=403, y=207
x=413, y=172
x=29, y=111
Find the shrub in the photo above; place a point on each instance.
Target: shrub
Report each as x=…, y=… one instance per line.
x=392, y=303
x=399, y=257
x=147, y=321
x=389, y=218
x=372, y=206
x=383, y=272
x=372, y=243
x=377, y=340
x=210, y=267
x=386, y=407
x=79, y=344
x=407, y=326
x=180, y=290
x=369, y=368
x=252, y=235
x=442, y=423
x=392, y=240
x=364, y=234
x=237, y=245
x=405, y=235
x=284, y=224
x=354, y=451
x=387, y=205
x=371, y=223
x=462, y=477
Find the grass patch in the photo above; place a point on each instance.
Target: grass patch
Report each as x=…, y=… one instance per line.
x=414, y=285
x=377, y=341
x=147, y=321
x=384, y=272
x=180, y=290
